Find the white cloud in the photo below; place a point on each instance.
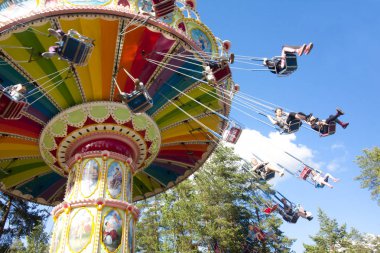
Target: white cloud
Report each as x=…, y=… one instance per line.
x=272, y=149
x=340, y=152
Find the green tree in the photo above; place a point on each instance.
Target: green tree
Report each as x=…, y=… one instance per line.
x=333, y=237
x=16, y=247
x=369, y=162
x=17, y=219
x=38, y=240
x=147, y=233
x=211, y=209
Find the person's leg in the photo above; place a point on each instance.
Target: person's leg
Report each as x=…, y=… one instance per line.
x=342, y=124
x=301, y=116
x=291, y=117
x=293, y=49
x=328, y=175
x=325, y=181
x=332, y=118
x=56, y=33
x=309, y=48
x=270, y=167
x=52, y=52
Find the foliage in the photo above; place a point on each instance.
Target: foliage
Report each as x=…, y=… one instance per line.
x=211, y=210
x=17, y=219
x=369, y=162
x=333, y=237
x=16, y=247
x=37, y=242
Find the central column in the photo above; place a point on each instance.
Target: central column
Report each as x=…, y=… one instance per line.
x=97, y=214
x=99, y=147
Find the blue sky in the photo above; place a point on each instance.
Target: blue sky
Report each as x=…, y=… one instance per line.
x=341, y=71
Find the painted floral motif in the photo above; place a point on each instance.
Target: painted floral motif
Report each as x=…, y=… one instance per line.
x=112, y=230
x=80, y=230
x=201, y=39
x=146, y=5
x=90, y=177
x=114, y=179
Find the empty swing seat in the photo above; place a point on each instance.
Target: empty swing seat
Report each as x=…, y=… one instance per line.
x=233, y=134
x=76, y=50
x=305, y=173
x=163, y=7
x=9, y=108
x=328, y=129
x=138, y=101
x=221, y=71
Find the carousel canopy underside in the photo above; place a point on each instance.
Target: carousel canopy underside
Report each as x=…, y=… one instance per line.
x=185, y=146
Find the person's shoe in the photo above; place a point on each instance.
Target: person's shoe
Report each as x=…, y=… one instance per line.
x=301, y=49
x=48, y=55
x=308, y=48
x=345, y=125
x=309, y=218
x=340, y=111
x=232, y=58
x=281, y=174
x=54, y=33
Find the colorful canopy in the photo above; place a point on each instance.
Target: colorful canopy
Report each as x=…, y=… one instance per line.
x=54, y=86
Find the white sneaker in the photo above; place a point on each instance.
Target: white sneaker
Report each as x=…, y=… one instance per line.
x=48, y=55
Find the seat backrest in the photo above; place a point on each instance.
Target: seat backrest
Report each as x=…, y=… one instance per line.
x=290, y=64
x=139, y=101
x=269, y=175
x=305, y=173
x=75, y=50
x=331, y=128
x=233, y=134
x=293, y=126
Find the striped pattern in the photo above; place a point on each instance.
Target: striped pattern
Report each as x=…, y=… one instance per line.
x=185, y=144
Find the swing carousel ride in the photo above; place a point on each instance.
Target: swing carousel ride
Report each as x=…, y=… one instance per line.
x=104, y=103
x=121, y=101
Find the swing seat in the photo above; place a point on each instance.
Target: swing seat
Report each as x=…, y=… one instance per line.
x=290, y=64
x=293, y=127
x=163, y=7
x=293, y=218
x=221, y=71
x=76, y=50
x=138, y=101
x=269, y=175
x=329, y=129
x=9, y=108
x=305, y=173
x=233, y=134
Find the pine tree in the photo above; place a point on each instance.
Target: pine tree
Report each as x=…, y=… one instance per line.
x=333, y=237
x=18, y=219
x=37, y=241
x=16, y=247
x=369, y=162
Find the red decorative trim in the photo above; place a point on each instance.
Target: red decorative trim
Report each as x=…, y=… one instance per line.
x=99, y=203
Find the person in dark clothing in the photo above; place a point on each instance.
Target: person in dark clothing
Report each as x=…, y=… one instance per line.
x=322, y=126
